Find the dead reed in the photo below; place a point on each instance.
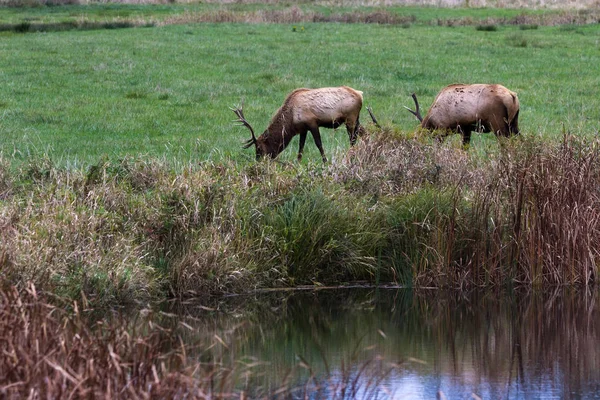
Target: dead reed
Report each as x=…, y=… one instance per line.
x=528, y=216
x=529, y=4
x=291, y=15
x=296, y=15
x=533, y=219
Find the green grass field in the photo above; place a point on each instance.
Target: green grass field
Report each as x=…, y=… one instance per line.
x=164, y=91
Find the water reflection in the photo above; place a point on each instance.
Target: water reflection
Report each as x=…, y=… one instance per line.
x=492, y=345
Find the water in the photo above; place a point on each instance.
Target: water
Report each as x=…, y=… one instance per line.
x=396, y=343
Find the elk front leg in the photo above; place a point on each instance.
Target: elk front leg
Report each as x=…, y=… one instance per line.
x=301, y=148
x=466, y=137
x=317, y=137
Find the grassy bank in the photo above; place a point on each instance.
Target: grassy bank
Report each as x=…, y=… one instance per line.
x=393, y=210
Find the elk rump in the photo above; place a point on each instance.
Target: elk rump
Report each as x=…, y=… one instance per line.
x=471, y=108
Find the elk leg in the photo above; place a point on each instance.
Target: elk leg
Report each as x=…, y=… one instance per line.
x=500, y=126
x=317, y=137
x=302, y=141
x=466, y=137
x=353, y=131
x=513, y=126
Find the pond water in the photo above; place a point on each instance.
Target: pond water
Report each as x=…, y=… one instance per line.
x=402, y=344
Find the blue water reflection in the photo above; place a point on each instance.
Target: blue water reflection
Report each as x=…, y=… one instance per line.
x=400, y=344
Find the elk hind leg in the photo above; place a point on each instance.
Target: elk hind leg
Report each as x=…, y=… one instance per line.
x=354, y=130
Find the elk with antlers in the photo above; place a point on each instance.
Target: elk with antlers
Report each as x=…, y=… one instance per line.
x=467, y=108
x=306, y=110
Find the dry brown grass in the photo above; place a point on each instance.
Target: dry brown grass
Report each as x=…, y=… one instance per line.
x=532, y=218
x=295, y=15
x=552, y=199
x=524, y=4
x=528, y=215
x=530, y=4
x=291, y=15
x=579, y=17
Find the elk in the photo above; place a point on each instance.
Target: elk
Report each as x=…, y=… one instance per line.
x=306, y=110
x=466, y=108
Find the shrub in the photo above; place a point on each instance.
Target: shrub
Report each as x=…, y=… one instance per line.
x=487, y=28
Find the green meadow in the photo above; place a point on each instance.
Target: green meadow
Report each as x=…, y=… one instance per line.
x=164, y=91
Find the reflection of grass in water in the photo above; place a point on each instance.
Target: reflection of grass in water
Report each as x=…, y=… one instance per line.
x=485, y=334
x=48, y=352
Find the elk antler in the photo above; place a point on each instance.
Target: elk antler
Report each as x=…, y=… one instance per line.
x=370, y=110
x=239, y=111
x=416, y=113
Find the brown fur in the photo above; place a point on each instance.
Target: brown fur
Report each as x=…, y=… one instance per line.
x=477, y=107
x=306, y=110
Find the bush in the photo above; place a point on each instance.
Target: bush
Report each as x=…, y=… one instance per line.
x=487, y=28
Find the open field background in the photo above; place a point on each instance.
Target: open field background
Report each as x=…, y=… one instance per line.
x=164, y=91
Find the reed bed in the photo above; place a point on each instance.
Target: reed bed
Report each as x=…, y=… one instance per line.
x=295, y=15
x=393, y=209
x=291, y=15
x=528, y=21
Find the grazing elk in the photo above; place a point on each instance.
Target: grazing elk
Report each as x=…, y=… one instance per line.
x=306, y=110
x=467, y=108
